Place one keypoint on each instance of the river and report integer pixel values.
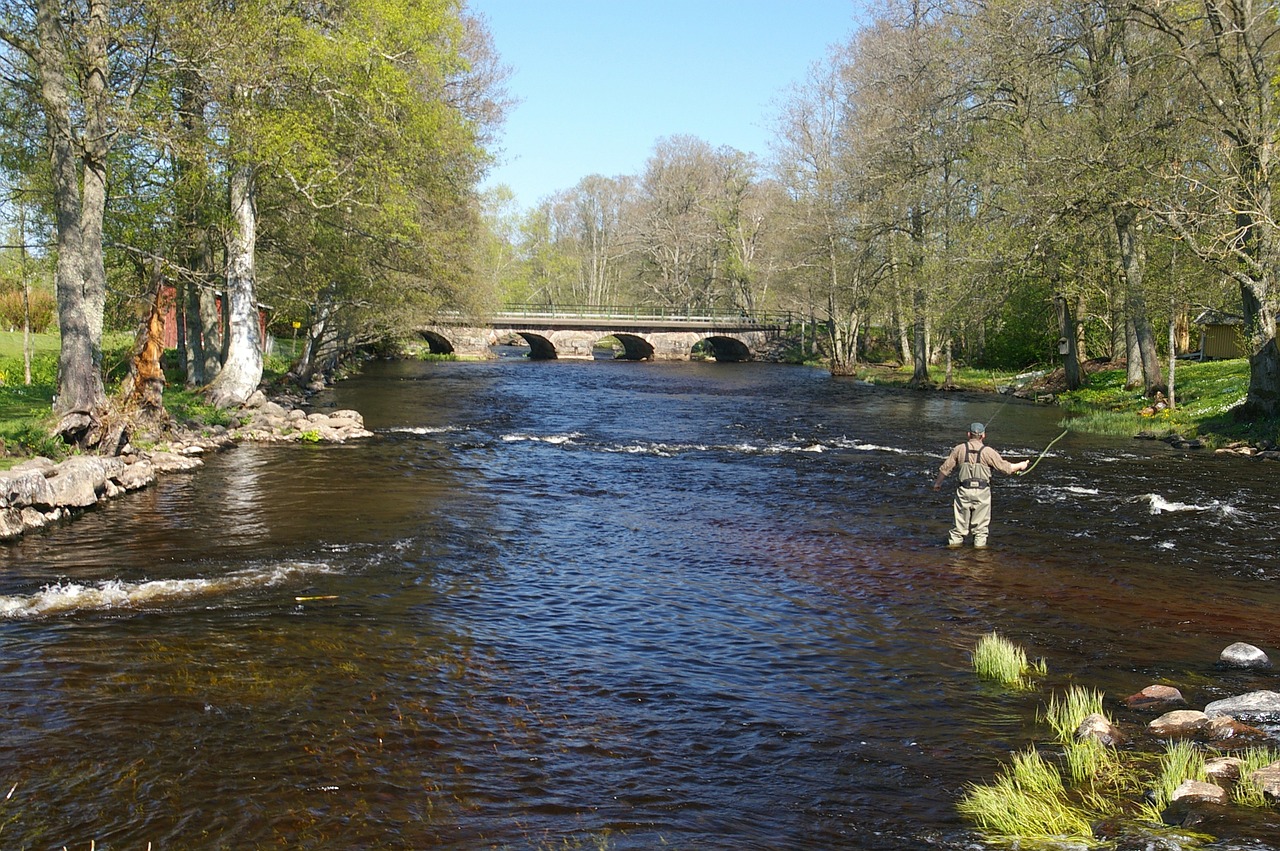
(605, 604)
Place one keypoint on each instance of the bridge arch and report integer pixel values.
(437, 343)
(726, 349)
(634, 346)
(540, 348)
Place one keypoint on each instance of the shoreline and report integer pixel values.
(39, 491)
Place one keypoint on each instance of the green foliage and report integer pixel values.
(1248, 792)
(1182, 760)
(1065, 716)
(1022, 332)
(1027, 800)
(310, 436)
(43, 310)
(189, 406)
(996, 658)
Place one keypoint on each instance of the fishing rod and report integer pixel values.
(1045, 452)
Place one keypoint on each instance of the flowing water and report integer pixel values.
(561, 604)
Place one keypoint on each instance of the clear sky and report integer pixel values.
(600, 81)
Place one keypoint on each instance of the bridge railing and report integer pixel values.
(641, 313)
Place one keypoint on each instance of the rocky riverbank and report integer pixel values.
(39, 491)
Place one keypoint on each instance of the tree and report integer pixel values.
(1225, 213)
(67, 55)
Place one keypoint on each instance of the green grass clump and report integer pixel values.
(1181, 761)
(1066, 715)
(1027, 801)
(997, 658)
(189, 405)
(1248, 793)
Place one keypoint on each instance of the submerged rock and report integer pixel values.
(1180, 722)
(1097, 727)
(1255, 706)
(1156, 697)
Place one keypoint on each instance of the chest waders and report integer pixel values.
(972, 506)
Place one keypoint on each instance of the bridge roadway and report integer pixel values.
(572, 331)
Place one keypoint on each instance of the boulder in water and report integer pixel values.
(1241, 655)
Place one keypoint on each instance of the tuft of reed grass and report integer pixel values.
(997, 658)
(1248, 792)
(1181, 761)
(1066, 715)
(1028, 801)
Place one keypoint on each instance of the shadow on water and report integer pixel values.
(696, 605)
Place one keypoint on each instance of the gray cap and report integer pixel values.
(977, 428)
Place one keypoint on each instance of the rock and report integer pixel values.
(1241, 655)
(22, 487)
(11, 523)
(1155, 697)
(136, 476)
(1254, 706)
(1200, 792)
(171, 462)
(1224, 727)
(1269, 780)
(1224, 768)
(347, 414)
(1180, 722)
(78, 482)
(41, 463)
(256, 400)
(1098, 728)
(1196, 803)
(271, 409)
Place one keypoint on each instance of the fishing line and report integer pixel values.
(1008, 397)
(1045, 452)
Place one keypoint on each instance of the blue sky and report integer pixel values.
(600, 81)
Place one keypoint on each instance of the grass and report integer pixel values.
(1181, 760)
(999, 659)
(1248, 793)
(1065, 716)
(1027, 800)
(962, 377)
(1206, 395)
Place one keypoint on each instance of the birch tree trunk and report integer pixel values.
(242, 369)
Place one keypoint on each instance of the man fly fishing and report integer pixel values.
(972, 504)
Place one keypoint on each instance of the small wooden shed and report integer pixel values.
(1221, 335)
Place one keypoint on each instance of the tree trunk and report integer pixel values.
(79, 273)
(1144, 343)
(1067, 340)
(1082, 314)
(242, 369)
(142, 392)
(1263, 397)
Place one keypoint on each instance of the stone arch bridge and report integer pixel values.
(644, 333)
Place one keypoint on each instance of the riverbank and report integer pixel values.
(38, 490)
(1201, 417)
